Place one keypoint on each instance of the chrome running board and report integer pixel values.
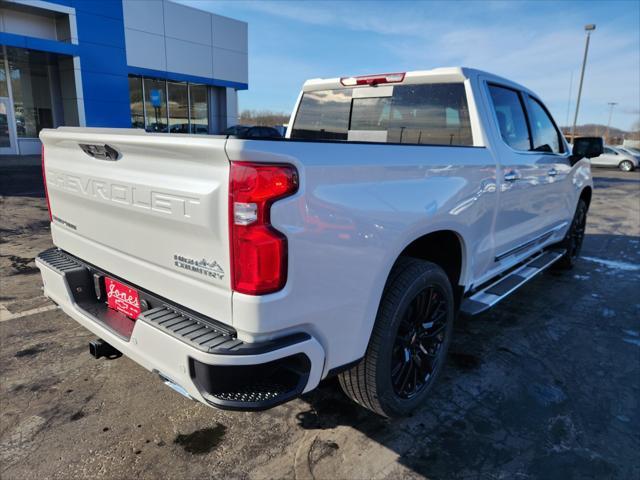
(504, 286)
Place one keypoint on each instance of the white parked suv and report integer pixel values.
(243, 272)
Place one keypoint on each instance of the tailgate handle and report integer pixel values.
(101, 152)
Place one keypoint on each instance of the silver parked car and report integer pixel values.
(616, 157)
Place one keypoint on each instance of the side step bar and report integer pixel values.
(491, 294)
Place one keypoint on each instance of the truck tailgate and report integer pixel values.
(157, 216)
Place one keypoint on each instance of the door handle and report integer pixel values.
(511, 176)
(552, 172)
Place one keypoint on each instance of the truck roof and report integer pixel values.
(441, 74)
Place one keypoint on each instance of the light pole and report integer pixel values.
(566, 122)
(588, 28)
(611, 105)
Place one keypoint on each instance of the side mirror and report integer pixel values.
(586, 147)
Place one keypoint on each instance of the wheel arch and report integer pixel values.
(445, 248)
(442, 247)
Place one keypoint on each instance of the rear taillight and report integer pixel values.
(44, 180)
(258, 251)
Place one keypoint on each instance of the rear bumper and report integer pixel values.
(195, 355)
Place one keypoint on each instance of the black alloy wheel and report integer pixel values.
(574, 238)
(409, 342)
(418, 350)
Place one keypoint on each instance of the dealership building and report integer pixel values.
(152, 64)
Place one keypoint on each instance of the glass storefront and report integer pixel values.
(199, 109)
(30, 86)
(178, 107)
(4, 89)
(29, 89)
(155, 104)
(175, 107)
(137, 108)
(5, 139)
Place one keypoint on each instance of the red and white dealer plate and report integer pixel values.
(122, 298)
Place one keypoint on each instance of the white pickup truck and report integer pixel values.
(243, 272)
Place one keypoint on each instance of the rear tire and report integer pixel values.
(409, 342)
(572, 242)
(626, 166)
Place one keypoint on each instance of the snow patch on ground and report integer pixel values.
(632, 341)
(615, 264)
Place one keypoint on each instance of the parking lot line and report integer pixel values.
(6, 315)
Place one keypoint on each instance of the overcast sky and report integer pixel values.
(539, 44)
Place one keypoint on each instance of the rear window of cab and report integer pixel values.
(426, 114)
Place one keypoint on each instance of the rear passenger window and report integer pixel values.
(511, 117)
(435, 114)
(546, 137)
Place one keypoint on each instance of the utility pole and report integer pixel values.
(587, 28)
(611, 105)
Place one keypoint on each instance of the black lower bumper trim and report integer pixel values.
(207, 338)
(251, 387)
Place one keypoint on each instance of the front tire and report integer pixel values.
(409, 342)
(572, 242)
(626, 166)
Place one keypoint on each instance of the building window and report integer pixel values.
(30, 84)
(174, 107)
(137, 105)
(155, 104)
(4, 90)
(178, 107)
(199, 118)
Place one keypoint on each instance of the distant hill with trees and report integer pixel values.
(614, 137)
(263, 118)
